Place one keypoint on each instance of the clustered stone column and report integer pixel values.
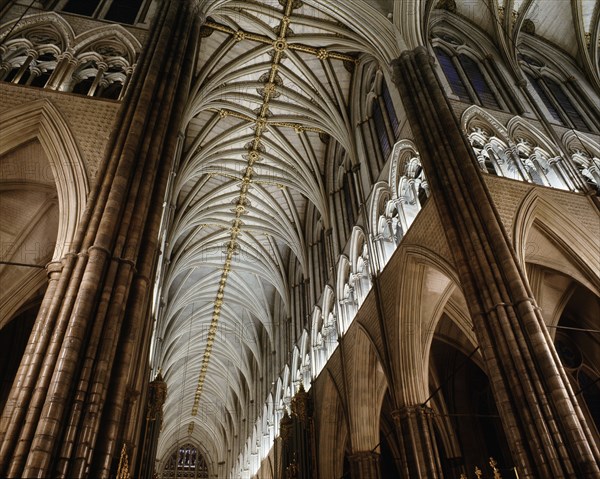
(157, 394)
(414, 428)
(544, 424)
(74, 400)
(364, 465)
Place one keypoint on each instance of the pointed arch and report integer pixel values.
(40, 119)
(550, 226)
(109, 36)
(424, 288)
(475, 116)
(47, 22)
(367, 384)
(519, 127)
(332, 432)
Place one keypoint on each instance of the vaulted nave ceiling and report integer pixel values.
(271, 90)
(273, 86)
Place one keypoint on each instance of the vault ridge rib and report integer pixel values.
(254, 154)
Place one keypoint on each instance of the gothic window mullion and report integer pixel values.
(88, 8)
(513, 155)
(128, 73)
(5, 68)
(558, 167)
(34, 72)
(563, 116)
(479, 82)
(453, 78)
(345, 214)
(103, 8)
(493, 160)
(376, 149)
(493, 85)
(386, 120)
(567, 104)
(372, 166)
(588, 109)
(65, 67)
(465, 79)
(123, 11)
(507, 95)
(381, 131)
(391, 111)
(544, 96)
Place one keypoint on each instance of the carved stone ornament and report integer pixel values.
(285, 426)
(449, 5)
(528, 26)
(300, 404)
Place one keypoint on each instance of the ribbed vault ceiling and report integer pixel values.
(272, 86)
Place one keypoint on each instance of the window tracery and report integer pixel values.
(122, 11)
(361, 274)
(186, 462)
(467, 76)
(347, 195)
(494, 155)
(45, 56)
(98, 78)
(29, 63)
(560, 98)
(522, 155)
(542, 168)
(383, 118)
(413, 191)
(346, 295)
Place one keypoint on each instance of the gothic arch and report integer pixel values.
(48, 22)
(519, 127)
(574, 140)
(345, 295)
(585, 154)
(332, 435)
(473, 38)
(360, 264)
(366, 386)
(41, 120)
(378, 202)
(167, 459)
(577, 253)
(552, 291)
(475, 116)
(114, 36)
(426, 283)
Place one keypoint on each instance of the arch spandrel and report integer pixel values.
(63, 169)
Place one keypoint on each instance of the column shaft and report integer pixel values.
(546, 430)
(420, 456)
(364, 465)
(73, 368)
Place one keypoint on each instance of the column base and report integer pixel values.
(364, 465)
(417, 440)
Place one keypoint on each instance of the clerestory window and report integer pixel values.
(385, 121)
(121, 11)
(468, 79)
(559, 104)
